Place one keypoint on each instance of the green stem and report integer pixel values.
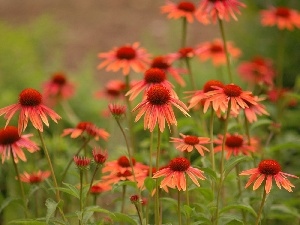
(20, 183)
(179, 207)
(70, 113)
(71, 160)
(139, 213)
(157, 205)
(225, 49)
(188, 204)
(261, 207)
(247, 129)
(192, 80)
(184, 32)
(123, 198)
(80, 195)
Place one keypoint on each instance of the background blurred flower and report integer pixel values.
(35, 177)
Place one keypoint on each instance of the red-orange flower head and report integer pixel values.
(184, 9)
(160, 62)
(30, 97)
(191, 140)
(179, 164)
(158, 95)
(269, 167)
(82, 162)
(234, 141)
(35, 177)
(117, 110)
(9, 135)
(134, 199)
(208, 86)
(186, 6)
(154, 75)
(186, 52)
(59, 79)
(123, 161)
(232, 90)
(126, 52)
(99, 155)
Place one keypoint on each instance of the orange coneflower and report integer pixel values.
(12, 142)
(267, 170)
(157, 108)
(31, 108)
(175, 173)
(35, 177)
(126, 57)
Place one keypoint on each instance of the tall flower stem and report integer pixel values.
(225, 49)
(80, 194)
(179, 207)
(192, 80)
(130, 118)
(247, 130)
(157, 204)
(220, 187)
(261, 207)
(280, 59)
(71, 160)
(20, 184)
(184, 32)
(123, 198)
(73, 118)
(58, 199)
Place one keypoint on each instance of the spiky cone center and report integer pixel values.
(84, 125)
(158, 95)
(126, 173)
(191, 140)
(96, 189)
(123, 161)
(160, 62)
(59, 79)
(155, 75)
(126, 52)
(186, 6)
(269, 167)
(208, 86)
(34, 179)
(216, 48)
(234, 141)
(179, 164)
(82, 162)
(30, 97)
(99, 157)
(113, 92)
(282, 12)
(232, 90)
(184, 52)
(9, 135)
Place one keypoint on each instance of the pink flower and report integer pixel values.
(175, 174)
(157, 108)
(222, 9)
(189, 142)
(35, 177)
(152, 76)
(257, 71)
(82, 162)
(183, 53)
(126, 57)
(99, 188)
(113, 90)
(215, 51)
(268, 170)
(282, 17)
(12, 143)
(253, 110)
(164, 63)
(235, 145)
(117, 110)
(86, 128)
(31, 108)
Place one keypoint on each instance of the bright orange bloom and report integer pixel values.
(58, 88)
(222, 9)
(215, 51)
(184, 9)
(151, 76)
(86, 128)
(126, 57)
(157, 108)
(282, 17)
(189, 142)
(165, 63)
(258, 70)
(235, 144)
(99, 188)
(230, 93)
(253, 110)
(267, 170)
(12, 142)
(175, 173)
(31, 108)
(35, 177)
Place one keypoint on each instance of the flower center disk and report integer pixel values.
(160, 62)
(59, 79)
(158, 95)
(208, 85)
(232, 90)
(191, 140)
(126, 53)
(123, 161)
(30, 97)
(179, 164)
(216, 48)
(155, 75)
(186, 6)
(9, 135)
(269, 167)
(282, 12)
(234, 141)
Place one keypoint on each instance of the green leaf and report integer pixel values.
(188, 210)
(210, 172)
(206, 193)
(287, 145)
(286, 210)
(235, 222)
(170, 200)
(259, 123)
(8, 201)
(231, 163)
(71, 189)
(27, 222)
(149, 184)
(99, 209)
(124, 218)
(238, 206)
(51, 207)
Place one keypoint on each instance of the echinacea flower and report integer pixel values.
(99, 188)
(31, 108)
(113, 90)
(99, 155)
(258, 70)
(157, 108)
(58, 87)
(12, 142)
(282, 17)
(175, 174)
(184, 9)
(117, 110)
(235, 144)
(82, 162)
(126, 57)
(252, 111)
(86, 128)
(222, 9)
(182, 53)
(151, 76)
(164, 63)
(189, 142)
(229, 94)
(268, 170)
(215, 51)
(35, 177)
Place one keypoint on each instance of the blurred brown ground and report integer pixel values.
(98, 25)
